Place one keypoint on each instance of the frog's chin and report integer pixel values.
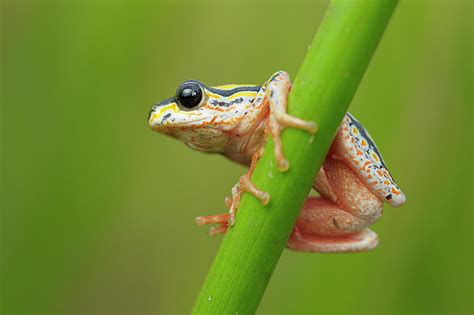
(194, 134)
(203, 139)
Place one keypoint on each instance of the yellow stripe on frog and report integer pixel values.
(233, 96)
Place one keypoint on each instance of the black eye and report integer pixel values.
(189, 94)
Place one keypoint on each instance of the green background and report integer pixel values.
(98, 210)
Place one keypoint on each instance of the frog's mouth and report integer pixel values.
(166, 123)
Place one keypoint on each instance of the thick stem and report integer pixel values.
(322, 92)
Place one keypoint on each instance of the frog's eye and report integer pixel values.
(189, 95)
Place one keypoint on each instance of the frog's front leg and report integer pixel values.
(277, 94)
(245, 184)
(273, 95)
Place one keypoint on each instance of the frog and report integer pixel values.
(236, 120)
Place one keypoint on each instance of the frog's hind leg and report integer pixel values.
(337, 221)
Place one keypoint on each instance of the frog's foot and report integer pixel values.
(277, 95)
(363, 241)
(245, 184)
(220, 219)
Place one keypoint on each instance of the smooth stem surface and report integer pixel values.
(322, 92)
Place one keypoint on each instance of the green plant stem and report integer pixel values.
(322, 92)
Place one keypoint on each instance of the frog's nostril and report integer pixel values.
(165, 118)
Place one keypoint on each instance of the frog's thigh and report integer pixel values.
(347, 190)
(324, 218)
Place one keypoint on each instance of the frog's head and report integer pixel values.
(201, 116)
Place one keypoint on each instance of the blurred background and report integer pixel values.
(98, 210)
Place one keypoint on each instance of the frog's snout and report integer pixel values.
(157, 118)
(151, 118)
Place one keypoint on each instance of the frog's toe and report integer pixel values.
(213, 231)
(212, 219)
(283, 165)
